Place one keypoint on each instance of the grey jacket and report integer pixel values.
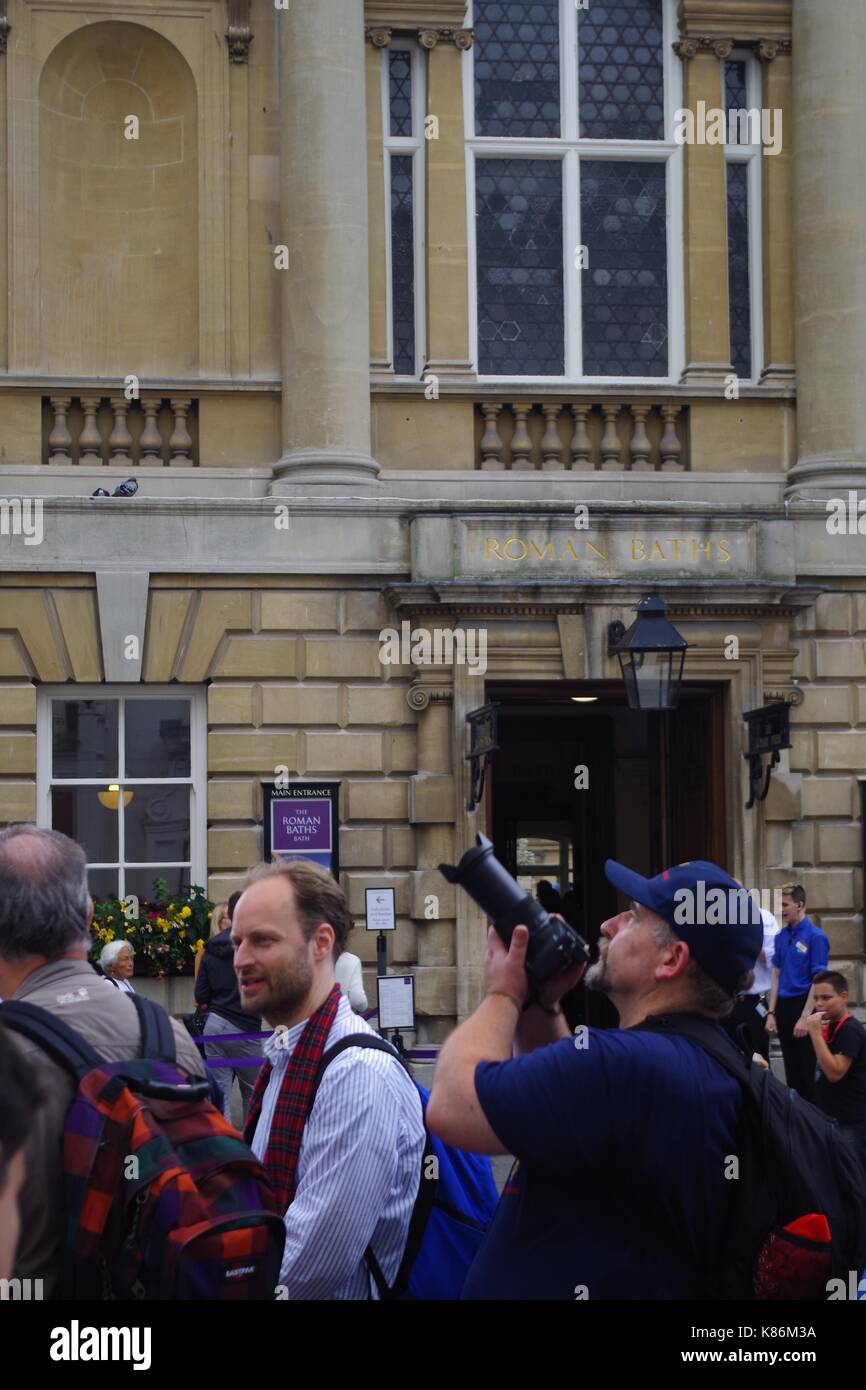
(71, 990)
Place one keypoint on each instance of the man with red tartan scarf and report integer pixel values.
(347, 1168)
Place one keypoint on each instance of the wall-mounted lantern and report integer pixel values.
(651, 655)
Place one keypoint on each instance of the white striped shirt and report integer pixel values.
(359, 1166)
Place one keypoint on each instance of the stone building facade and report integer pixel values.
(250, 259)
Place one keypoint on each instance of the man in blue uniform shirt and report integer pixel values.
(622, 1137)
(802, 950)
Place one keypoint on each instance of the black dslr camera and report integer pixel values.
(553, 944)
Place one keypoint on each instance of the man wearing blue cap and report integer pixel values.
(625, 1138)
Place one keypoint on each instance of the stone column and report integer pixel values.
(708, 341)
(448, 349)
(325, 328)
(4, 298)
(829, 103)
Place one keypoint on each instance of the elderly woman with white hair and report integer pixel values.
(118, 962)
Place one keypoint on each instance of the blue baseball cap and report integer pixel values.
(718, 919)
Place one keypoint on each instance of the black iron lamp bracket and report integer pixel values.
(769, 732)
(483, 743)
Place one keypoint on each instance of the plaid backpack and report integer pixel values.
(162, 1198)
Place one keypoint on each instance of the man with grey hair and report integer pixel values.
(45, 915)
(622, 1136)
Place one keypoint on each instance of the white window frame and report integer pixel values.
(197, 780)
(416, 146)
(753, 156)
(568, 149)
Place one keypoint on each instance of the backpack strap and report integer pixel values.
(63, 1044)
(707, 1034)
(157, 1034)
(370, 1040)
(423, 1202)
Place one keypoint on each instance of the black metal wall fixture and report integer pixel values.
(769, 733)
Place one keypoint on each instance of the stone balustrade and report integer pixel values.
(91, 431)
(611, 436)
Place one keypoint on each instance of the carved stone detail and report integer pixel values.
(378, 37)
(239, 35)
(768, 49)
(703, 43)
(5, 26)
(428, 38)
(420, 697)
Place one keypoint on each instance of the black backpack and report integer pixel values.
(794, 1163)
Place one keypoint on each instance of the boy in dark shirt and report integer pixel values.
(839, 1041)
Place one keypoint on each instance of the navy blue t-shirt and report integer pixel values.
(619, 1185)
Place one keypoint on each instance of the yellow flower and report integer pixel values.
(109, 936)
(199, 945)
(182, 935)
(186, 912)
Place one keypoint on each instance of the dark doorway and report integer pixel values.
(580, 778)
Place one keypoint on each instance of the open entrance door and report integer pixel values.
(580, 778)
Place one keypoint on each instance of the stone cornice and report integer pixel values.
(743, 20)
(239, 35)
(415, 14)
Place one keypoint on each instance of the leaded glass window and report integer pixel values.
(575, 270)
(403, 123)
(739, 293)
(400, 91)
(403, 264)
(520, 267)
(516, 54)
(621, 70)
(743, 155)
(736, 98)
(625, 296)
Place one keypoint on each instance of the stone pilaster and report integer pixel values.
(708, 346)
(325, 287)
(829, 103)
(448, 350)
(431, 809)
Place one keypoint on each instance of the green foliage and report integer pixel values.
(165, 934)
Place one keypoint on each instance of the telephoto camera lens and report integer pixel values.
(554, 945)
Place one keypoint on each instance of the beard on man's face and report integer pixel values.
(282, 988)
(596, 977)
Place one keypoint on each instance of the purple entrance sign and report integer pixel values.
(301, 826)
(301, 822)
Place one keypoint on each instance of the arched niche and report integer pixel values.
(118, 215)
